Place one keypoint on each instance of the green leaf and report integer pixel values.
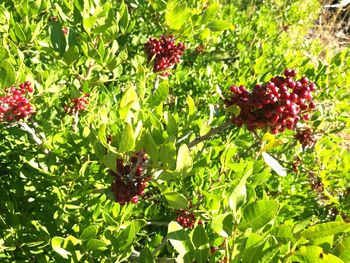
(200, 241)
(171, 124)
(342, 249)
(58, 40)
(56, 243)
(199, 237)
(177, 14)
(184, 161)
(238, 196)
(258, 214)
(88, 233)
(167, 153)
(88, 23)
(177, 201)
(145, 256)
(235, 109)
(269, 255)
(7, 74)
(314, 254)
(125, 18)
(274, 164)
(219, 25)
(326, 229)
(151, 147)
(19, 32)
(128, 101)
(127, 141)
(180, 240)
(223, 224)
(109, 160)
(253, 248)
(102, 135)
(127, 236)
(210, 13)
(191, 107)
(95, 244)
(71, 55)
(272, 144)
(160, 95)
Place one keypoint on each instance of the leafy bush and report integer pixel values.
(129, 150)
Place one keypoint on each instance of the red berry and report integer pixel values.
(287, 72)
(306, 117)
(304, 80)
(135, 199)
(213, 249)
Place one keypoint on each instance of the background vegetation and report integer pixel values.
(55, 198)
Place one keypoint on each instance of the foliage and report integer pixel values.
(251, 196)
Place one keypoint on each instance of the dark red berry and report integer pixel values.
(276, 105)
(164, 53)
(129, 180)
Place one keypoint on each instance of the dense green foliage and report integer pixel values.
(55, 199)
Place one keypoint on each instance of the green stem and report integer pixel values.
(211, 133)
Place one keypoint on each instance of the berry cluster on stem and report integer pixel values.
(130, 179)
(185, 218)
(77, 104)
(164, 53)
(276, 105)
(305, 137)
(15, 105)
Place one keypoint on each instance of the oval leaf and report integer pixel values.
(7, 74)
(184, 161)
(88, 233)
(127, 142)
(274, 164)
(56, 243)
(219, 25)
(223, 224)
(258, 214)
(326, 229)
(177, 201)
(179, 238)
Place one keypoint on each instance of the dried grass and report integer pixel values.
(333, 26)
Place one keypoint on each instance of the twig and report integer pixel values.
(24, 126)
(157, 249)
(211, 133)
(156, 84)
(154, 223)
(75, 121)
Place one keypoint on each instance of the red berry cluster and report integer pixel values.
(15, 106)
(130, 179)
(164, 52)
(77, 104)
(185, 219)
(277, 105)
(296, 164)
(305, 137)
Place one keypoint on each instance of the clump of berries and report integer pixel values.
(130, 179)
(296, 164)
(164, 52)
(305, 137)
(185, 219)
(276, 105)
(77, 104)
(15, 105)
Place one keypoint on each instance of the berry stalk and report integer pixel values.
(210, 134)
